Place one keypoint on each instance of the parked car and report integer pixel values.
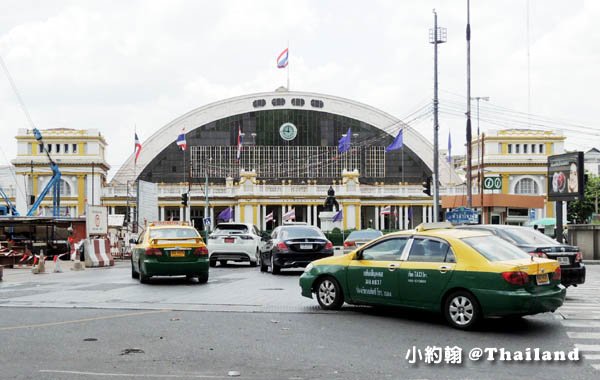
(168, 249)
(293, 246)
(239, 242)
(537, 244)
(359, 238)
(467, 275)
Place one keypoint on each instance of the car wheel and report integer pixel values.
(134, 274)
(329, 294)
(223, 262)
(275, 269)
(263, 266)
(143, 277)
(203, 278)
(462, 310)
(212, 263)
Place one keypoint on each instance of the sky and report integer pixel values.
(119, 65)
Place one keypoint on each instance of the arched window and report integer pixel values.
(65, 188)
(526, 186)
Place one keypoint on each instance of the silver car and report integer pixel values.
(360, 237)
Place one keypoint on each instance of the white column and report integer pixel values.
(315, 215)
(180, 213)
(309, 211)
(112, 210)
(283, 211)
(406, 224)
(162, 213)
(211, 212)
(430, 211)
(376, 218)
(424, 214)
(381, 221)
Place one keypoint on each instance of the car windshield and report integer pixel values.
(364, 235)
(231, 229)
(166, 233)
(494, 248)
(301, 232)
(528, 236)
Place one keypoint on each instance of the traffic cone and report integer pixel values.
(57, 268)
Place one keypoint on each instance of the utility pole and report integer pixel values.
(481, 178)
(480, 150)
(469, 153)
(436, 36)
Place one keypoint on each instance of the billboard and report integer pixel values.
(565, 177)
(147, 203)
(96, 220)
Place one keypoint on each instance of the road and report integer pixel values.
(100, 323)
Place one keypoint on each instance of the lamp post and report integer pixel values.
(480, 151)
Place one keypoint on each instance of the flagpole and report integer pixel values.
(288, 66)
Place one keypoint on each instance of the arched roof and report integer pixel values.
(198, 117)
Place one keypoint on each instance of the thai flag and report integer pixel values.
(290, 215)
(138, 147)
(269, 217)
(387, 210)
(181, 140)
(282, 60)
(239, 144)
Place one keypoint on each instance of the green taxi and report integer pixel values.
(170, 249)
(466, 275)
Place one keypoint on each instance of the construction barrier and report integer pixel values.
(97, 253)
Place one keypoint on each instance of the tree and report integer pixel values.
(581, 211)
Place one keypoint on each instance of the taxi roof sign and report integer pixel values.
(433, 226)
(169, 223)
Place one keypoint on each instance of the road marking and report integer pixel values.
(596, 366)
(105, 374)
(580, 323)
(583, 335)
(82, 320)
(591, 357)
(588, 347)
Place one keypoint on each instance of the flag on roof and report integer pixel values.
(397, 143)
(387, 210)
(282, 60)
(181, 140)
(344, 142)
(338, 217)
(290, 215)
(239, 144)
(137, 148)
(269, 217)
(449, 158)
(226, 214)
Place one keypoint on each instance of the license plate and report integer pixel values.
(563, 260)
(177, 254)
(229, 240)
(542, 279)
(305, 246)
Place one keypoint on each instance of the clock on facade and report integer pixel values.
(288, 131)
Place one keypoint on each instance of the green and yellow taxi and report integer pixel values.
(169, 249)
(466, 275)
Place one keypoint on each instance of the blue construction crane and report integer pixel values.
(9, 209)
(53, 184)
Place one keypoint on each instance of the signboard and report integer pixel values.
(147, 202)
(492, 183)
(207, 222)
(565, 177)
(532, 214)
(96, 220)
(462, 215)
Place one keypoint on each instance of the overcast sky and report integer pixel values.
(111, 65)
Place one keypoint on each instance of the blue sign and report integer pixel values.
(206, 221)
(462, 215)
(532, 214)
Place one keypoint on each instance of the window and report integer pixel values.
(532, 148)
(74, 148)
(316, 103)
(298, 102)
(429, 250)
(509, 148)
(49, 148)
(387, 250)
(525, 146)
(526, 186)
(66, 148)
(57, 148)
(517, 148)
(157, 233)
(277, 102)
(259, 103)
(541, 148)
(494, 248)
(41, 148)
(65, 188)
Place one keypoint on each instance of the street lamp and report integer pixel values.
(479, 142)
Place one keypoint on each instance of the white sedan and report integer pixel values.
(239, 242)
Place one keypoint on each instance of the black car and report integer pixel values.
(537, 244)
(294, 246)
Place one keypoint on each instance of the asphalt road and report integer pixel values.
(100, 323)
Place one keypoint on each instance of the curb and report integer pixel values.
(591, 262)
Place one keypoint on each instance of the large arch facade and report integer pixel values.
(321, 120)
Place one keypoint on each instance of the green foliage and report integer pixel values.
(580, 212)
